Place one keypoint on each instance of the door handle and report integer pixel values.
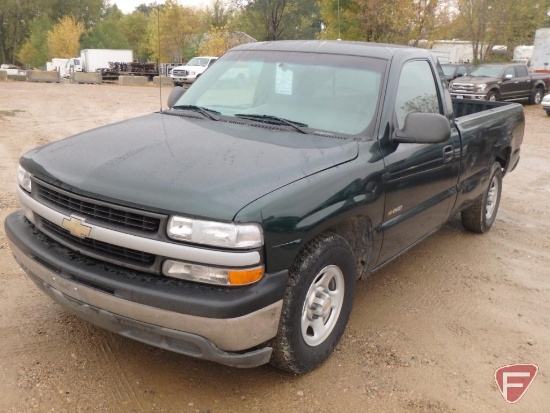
(448, 153)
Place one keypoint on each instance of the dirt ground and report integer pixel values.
(426, 334)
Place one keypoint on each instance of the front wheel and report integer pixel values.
(480, 216)
(536, 96)
(548, 112)
(492, 96)
(317, 304)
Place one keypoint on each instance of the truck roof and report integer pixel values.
(349, 48)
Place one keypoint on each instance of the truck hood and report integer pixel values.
(174, 164)
(187, 67)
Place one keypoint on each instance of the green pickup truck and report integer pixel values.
(234, 226)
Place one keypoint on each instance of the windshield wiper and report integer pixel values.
(274, 120)
(209, 113)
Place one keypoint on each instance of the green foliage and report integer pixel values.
(15, 16)
(383, 21)
(24, 23)
(280, 19)
(175, 30)
(63, 38)
(487, 23)
(105, 35)
(134, 27)
(86, 11)
(34, 51)
(217, 41)
(218, 14)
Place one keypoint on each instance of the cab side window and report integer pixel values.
(510, 71)
(522, 71)
(416, 91)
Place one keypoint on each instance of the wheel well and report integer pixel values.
(503, 158)
(357, 231)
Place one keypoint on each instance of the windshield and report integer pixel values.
(198, 61)
(324, 92)
(487, 71)
(448, 70)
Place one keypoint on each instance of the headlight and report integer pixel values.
(212, 275)
(191, 73)
(24, 178)
(216, 234)
(481, 87)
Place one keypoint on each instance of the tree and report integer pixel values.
(34, 51)
(217, 41)
(504, 22)
(15, 16)
(178, 27)
(86, 11)
(278, 19)
(105, 35)
(108, 33)
(219, 14)
(63, 39)
(383, 21)
(138, 39)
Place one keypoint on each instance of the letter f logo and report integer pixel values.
(514, 380)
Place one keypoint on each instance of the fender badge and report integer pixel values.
(76, 227)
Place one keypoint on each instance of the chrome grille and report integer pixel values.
(462, 88)
(179, 72)
(99, 211)
(100, 247)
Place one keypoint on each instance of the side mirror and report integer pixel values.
(174, 95)
(459, 75)
(424, 128)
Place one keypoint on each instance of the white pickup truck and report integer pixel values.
(192, 70)
(12, 70)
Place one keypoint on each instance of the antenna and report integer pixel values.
(158, 59)
(339, 37)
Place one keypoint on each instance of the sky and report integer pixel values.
(128, 6)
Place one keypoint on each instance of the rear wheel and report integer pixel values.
(317, 304)
(536, 96)
(480, 216)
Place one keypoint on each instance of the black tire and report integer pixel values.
(317, 304)
(548, 112)
(536, 96)
(492, 96)
(480, 216)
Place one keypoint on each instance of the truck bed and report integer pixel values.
(482, 125)
(463, 107)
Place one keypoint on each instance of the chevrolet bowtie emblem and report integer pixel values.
(76, 227)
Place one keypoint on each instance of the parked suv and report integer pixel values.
(192, 70)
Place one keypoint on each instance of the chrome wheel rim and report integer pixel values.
(492, 195)
(322, 305)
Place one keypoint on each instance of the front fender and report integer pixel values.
(293, 215)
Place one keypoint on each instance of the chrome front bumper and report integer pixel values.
(195, 336)
(228, 326)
